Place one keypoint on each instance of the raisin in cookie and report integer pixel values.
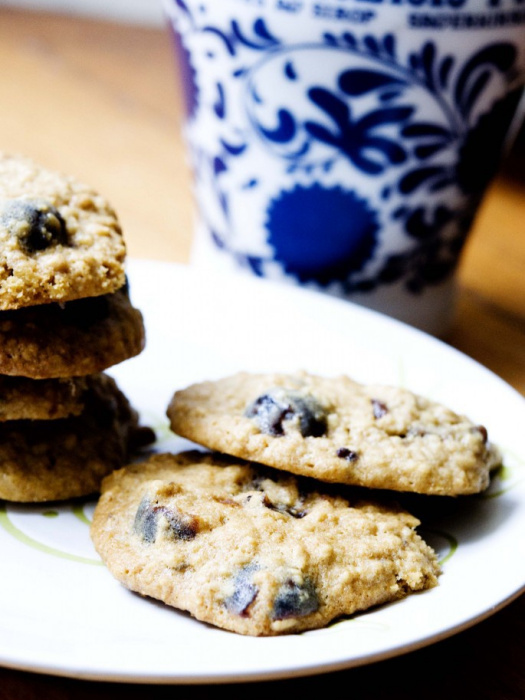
(77, 338)
(42, 460)
(337, 430)
(59, 240)
(254, 550)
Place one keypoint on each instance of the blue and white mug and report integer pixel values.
(345, 145)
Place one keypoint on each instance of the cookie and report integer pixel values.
(59, 239)
(77, 338)
(45, 399)
(337, 430)
(42, 460)
(254, 550)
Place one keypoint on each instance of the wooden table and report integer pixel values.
(100, 101)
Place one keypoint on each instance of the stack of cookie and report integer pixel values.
(65, 317)
(266, 534)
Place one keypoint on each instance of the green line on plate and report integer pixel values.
(503, 473)
(452, 543)
(30, 542)
(78, 512)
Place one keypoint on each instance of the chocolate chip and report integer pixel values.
(245, 591)
(349, 455)
(294, 600)
(282, 508)
(380, 409)
(37, 225)
(271, 410)
(145, 523)
(484, 433)
(269, 414)
(180, 525)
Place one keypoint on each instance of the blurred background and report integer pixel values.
(147, 12)
(89, 87)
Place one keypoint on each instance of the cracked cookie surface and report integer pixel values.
(59, 239)
(254, 550)
(337, 430)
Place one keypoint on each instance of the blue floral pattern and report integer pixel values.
(417, 171)
(320, 233)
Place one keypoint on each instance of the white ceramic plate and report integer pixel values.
(61, 612)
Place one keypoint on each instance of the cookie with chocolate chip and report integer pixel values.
(77, 338)
(254, 550)
(48, 460)
(59, 239)
(338, 430)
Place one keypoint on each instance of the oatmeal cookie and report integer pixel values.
(59, 239)
(42, 460)
(337, 430)
(77, 338)
(43, 399)
(254, 550)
